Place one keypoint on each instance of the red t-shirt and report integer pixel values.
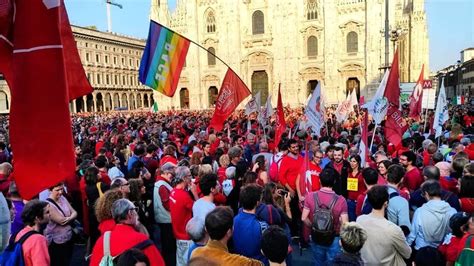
(449, 183)
(315, 171)
(325, 197)
(467, 204)
(360, 203)
(413, 179)
(450, 251)
(221, 174)
(181, 212)
(360, 186)
(104, 177)
(289, 170)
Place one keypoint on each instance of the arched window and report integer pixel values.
(352, 42)
(211, 22)
(211, 59)
(312, 46)
(258, 23)
(311, 10)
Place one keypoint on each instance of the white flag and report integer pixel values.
(354, 100)
(441, 114)
(378, 106)
(315, 110)
(344, 108)
(254, 104)
(266, 112)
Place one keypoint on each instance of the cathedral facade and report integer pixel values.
(295, 44)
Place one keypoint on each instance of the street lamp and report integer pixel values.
(395, 35)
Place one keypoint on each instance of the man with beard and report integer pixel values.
(35, 216)
(289, 170)
(341, 168)
(413, 178)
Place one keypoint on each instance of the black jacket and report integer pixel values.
(340, 185)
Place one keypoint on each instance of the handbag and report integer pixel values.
(76, 227)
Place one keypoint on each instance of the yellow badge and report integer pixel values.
(352, 184)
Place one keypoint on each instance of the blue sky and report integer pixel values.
(450, 23)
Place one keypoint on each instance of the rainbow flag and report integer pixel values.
(163, 59)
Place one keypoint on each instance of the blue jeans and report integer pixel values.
(351, 210)
(322, 254)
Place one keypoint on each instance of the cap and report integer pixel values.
(458, 219)
(168, 167)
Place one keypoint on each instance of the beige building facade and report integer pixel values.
(295, 43)
(111, 63)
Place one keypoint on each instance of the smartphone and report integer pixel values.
(283, 192)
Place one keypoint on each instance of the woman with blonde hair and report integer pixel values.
(103, 210)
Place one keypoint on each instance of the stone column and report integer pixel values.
(74, 107)
(94, 100)
(84, 104)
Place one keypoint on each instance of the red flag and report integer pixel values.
(394, 125)
(280, 126)
(233, 91)
(363, 145)
(40, 84)
(417, 97)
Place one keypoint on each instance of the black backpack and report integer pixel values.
(322, 229)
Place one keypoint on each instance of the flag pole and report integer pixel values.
(191, 41)
(373, 137)
(426, 112)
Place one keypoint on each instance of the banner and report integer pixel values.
(395, 126)
(266, 112)
(416, 98)
(163, 59)
(43, 71)
(378, 106)
(232, 92)
(314, 111)
(344, 108)
(254, 104)
(441, 113)
(280, 126)
(363, 145)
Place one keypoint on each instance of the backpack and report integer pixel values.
(367, 207)
(108, 259)
(322, 229)
(467, 254)
(13, 254)
(273, 170)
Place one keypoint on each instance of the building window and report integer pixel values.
(106, 59)
(107, 79)
(115, 60)
(352, 42)
(211, 22)
(131, 80)
(98, 78)
(123, 61)
(312, 46)
(258, 23)
(311, 12)
(86, 44)
(97, 58)
(211, 59)
(123, 79)
(130, 61)
(89, 77)
(87, 57)
(116, 80)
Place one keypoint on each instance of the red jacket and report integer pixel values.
(123, 238)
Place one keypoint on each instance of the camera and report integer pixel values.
(283, 192)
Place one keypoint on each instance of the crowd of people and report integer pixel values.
(165, 189)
